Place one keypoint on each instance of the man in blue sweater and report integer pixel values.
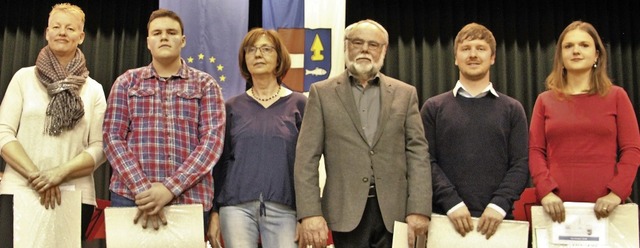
(477, 140)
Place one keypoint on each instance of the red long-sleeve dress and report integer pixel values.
(583, 147)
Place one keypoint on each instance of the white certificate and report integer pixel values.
(621, 228)
(185, 228)
(35, 226)
(510, 234)
(581, 227)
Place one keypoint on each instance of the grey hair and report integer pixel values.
(349, 29)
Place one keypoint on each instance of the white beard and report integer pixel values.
(364, 71)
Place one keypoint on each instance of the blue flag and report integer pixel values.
(282, 14)
(214, 30)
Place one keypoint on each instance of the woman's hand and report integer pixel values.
(552, 204)
(46, 179)
(213, 232)
(606, 204)
(50, 196)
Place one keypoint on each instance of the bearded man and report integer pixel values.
(368, 128)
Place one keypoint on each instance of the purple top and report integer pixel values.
(259, 151)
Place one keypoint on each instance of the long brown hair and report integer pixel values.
(600, 82)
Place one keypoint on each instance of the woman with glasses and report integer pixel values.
(254, 195)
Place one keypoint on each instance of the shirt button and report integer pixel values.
(365, 179)
(372, 152)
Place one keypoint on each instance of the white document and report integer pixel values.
(400, 235)
(510, 234)
(542, 234)
(581, 227)
(185, 228)
(35, 226)
(621, 227)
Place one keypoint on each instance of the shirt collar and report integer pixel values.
(354, 81)
(459, 88)
(150, 72)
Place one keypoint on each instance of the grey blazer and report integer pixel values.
(398, 159)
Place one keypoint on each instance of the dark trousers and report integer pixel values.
(371, 231)
(6, 220)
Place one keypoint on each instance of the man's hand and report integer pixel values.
(299, 238)
(51, 196)
(606, 204)
(154, 199)
(461, 219)
(314, 231)
(417, 225)
(489, 222)
(144, 218)
(213, 232)
(552, 204)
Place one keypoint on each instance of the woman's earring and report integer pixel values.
(595, 65)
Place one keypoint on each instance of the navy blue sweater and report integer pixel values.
(479, 151)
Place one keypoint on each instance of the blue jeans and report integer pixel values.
(241, 225)
(121, 201)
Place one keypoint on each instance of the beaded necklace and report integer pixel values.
(265, 99)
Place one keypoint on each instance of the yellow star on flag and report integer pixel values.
(223, 78)
(201, 56)
(212, 59)
(220, 67)
(190, 59)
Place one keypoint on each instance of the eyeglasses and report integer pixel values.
(359, 43)
(263, 49)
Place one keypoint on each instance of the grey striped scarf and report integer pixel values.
(63, 86)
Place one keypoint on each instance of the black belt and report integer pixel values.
(372, 190)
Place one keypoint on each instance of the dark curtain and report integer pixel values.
(421, 37)
(115, 40)
(420, 50)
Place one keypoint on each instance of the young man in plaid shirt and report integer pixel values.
(163, 129)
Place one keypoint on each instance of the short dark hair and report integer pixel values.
(165, 13)
(284, 61)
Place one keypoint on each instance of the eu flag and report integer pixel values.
(214, 30)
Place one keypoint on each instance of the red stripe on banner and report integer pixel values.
(293, 39)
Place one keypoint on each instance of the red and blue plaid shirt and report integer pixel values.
(164, 130)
